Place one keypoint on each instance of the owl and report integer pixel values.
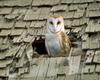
(57, 41)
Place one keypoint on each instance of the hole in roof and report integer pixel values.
(38, 46)
(0, 30)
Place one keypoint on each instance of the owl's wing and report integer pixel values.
(66, 42)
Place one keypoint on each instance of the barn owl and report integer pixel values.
(57, 41)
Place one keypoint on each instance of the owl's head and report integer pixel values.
(55, 24)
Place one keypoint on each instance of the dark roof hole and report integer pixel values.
(38, 45)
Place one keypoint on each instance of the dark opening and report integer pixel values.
(39, 46)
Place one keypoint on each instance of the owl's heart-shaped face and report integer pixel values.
(55, 25)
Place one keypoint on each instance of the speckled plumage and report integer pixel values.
(57, 42)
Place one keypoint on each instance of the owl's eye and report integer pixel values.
(58, 22)
(51, 22)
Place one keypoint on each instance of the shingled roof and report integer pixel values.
(23, 20)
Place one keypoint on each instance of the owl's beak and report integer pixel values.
(55, 28)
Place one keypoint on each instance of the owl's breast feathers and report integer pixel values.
(58, 45)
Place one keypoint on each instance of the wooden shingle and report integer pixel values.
(6, 25)
(89, 56)
(74, 64)
(4, 63)
(66, 1)
(32, 14)
(5, 32)
(97, 57)
(59, 8)
(91, 14)
(45, 2)
(88, 69)
(17, 3)
(16, 32)
(5, 10)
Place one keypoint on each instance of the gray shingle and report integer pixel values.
(13, 51)
(11, 16)
(23, 70)
(77, 30)
(67, 23)
(20, 52)
(69, 15)
(76, 1)
(4, 63)
(90, 76)
(28, 39)
(17, 39)
(4, 72)
(5, 10)
(5, 32)
(16, 32)
(3, 55)
(89, 56)
(67, 1)
(93, 6)
(93, 27)
(93, 14)
(63, 14)
(32, 14)
(91, 43)
(4, 47)
(86, 1)
(6, 25)
(74, 65)
(21, 24)
(84, 37)
(16, 14)
(97, 57)
(73, 7)
(44, 13)
(45, 2)
(17, 3)
(88, 69)
(59, 8)
(77, 7)
(78, 14)
(98, 68)
(37, 24)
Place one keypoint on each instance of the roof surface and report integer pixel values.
(23, 20)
